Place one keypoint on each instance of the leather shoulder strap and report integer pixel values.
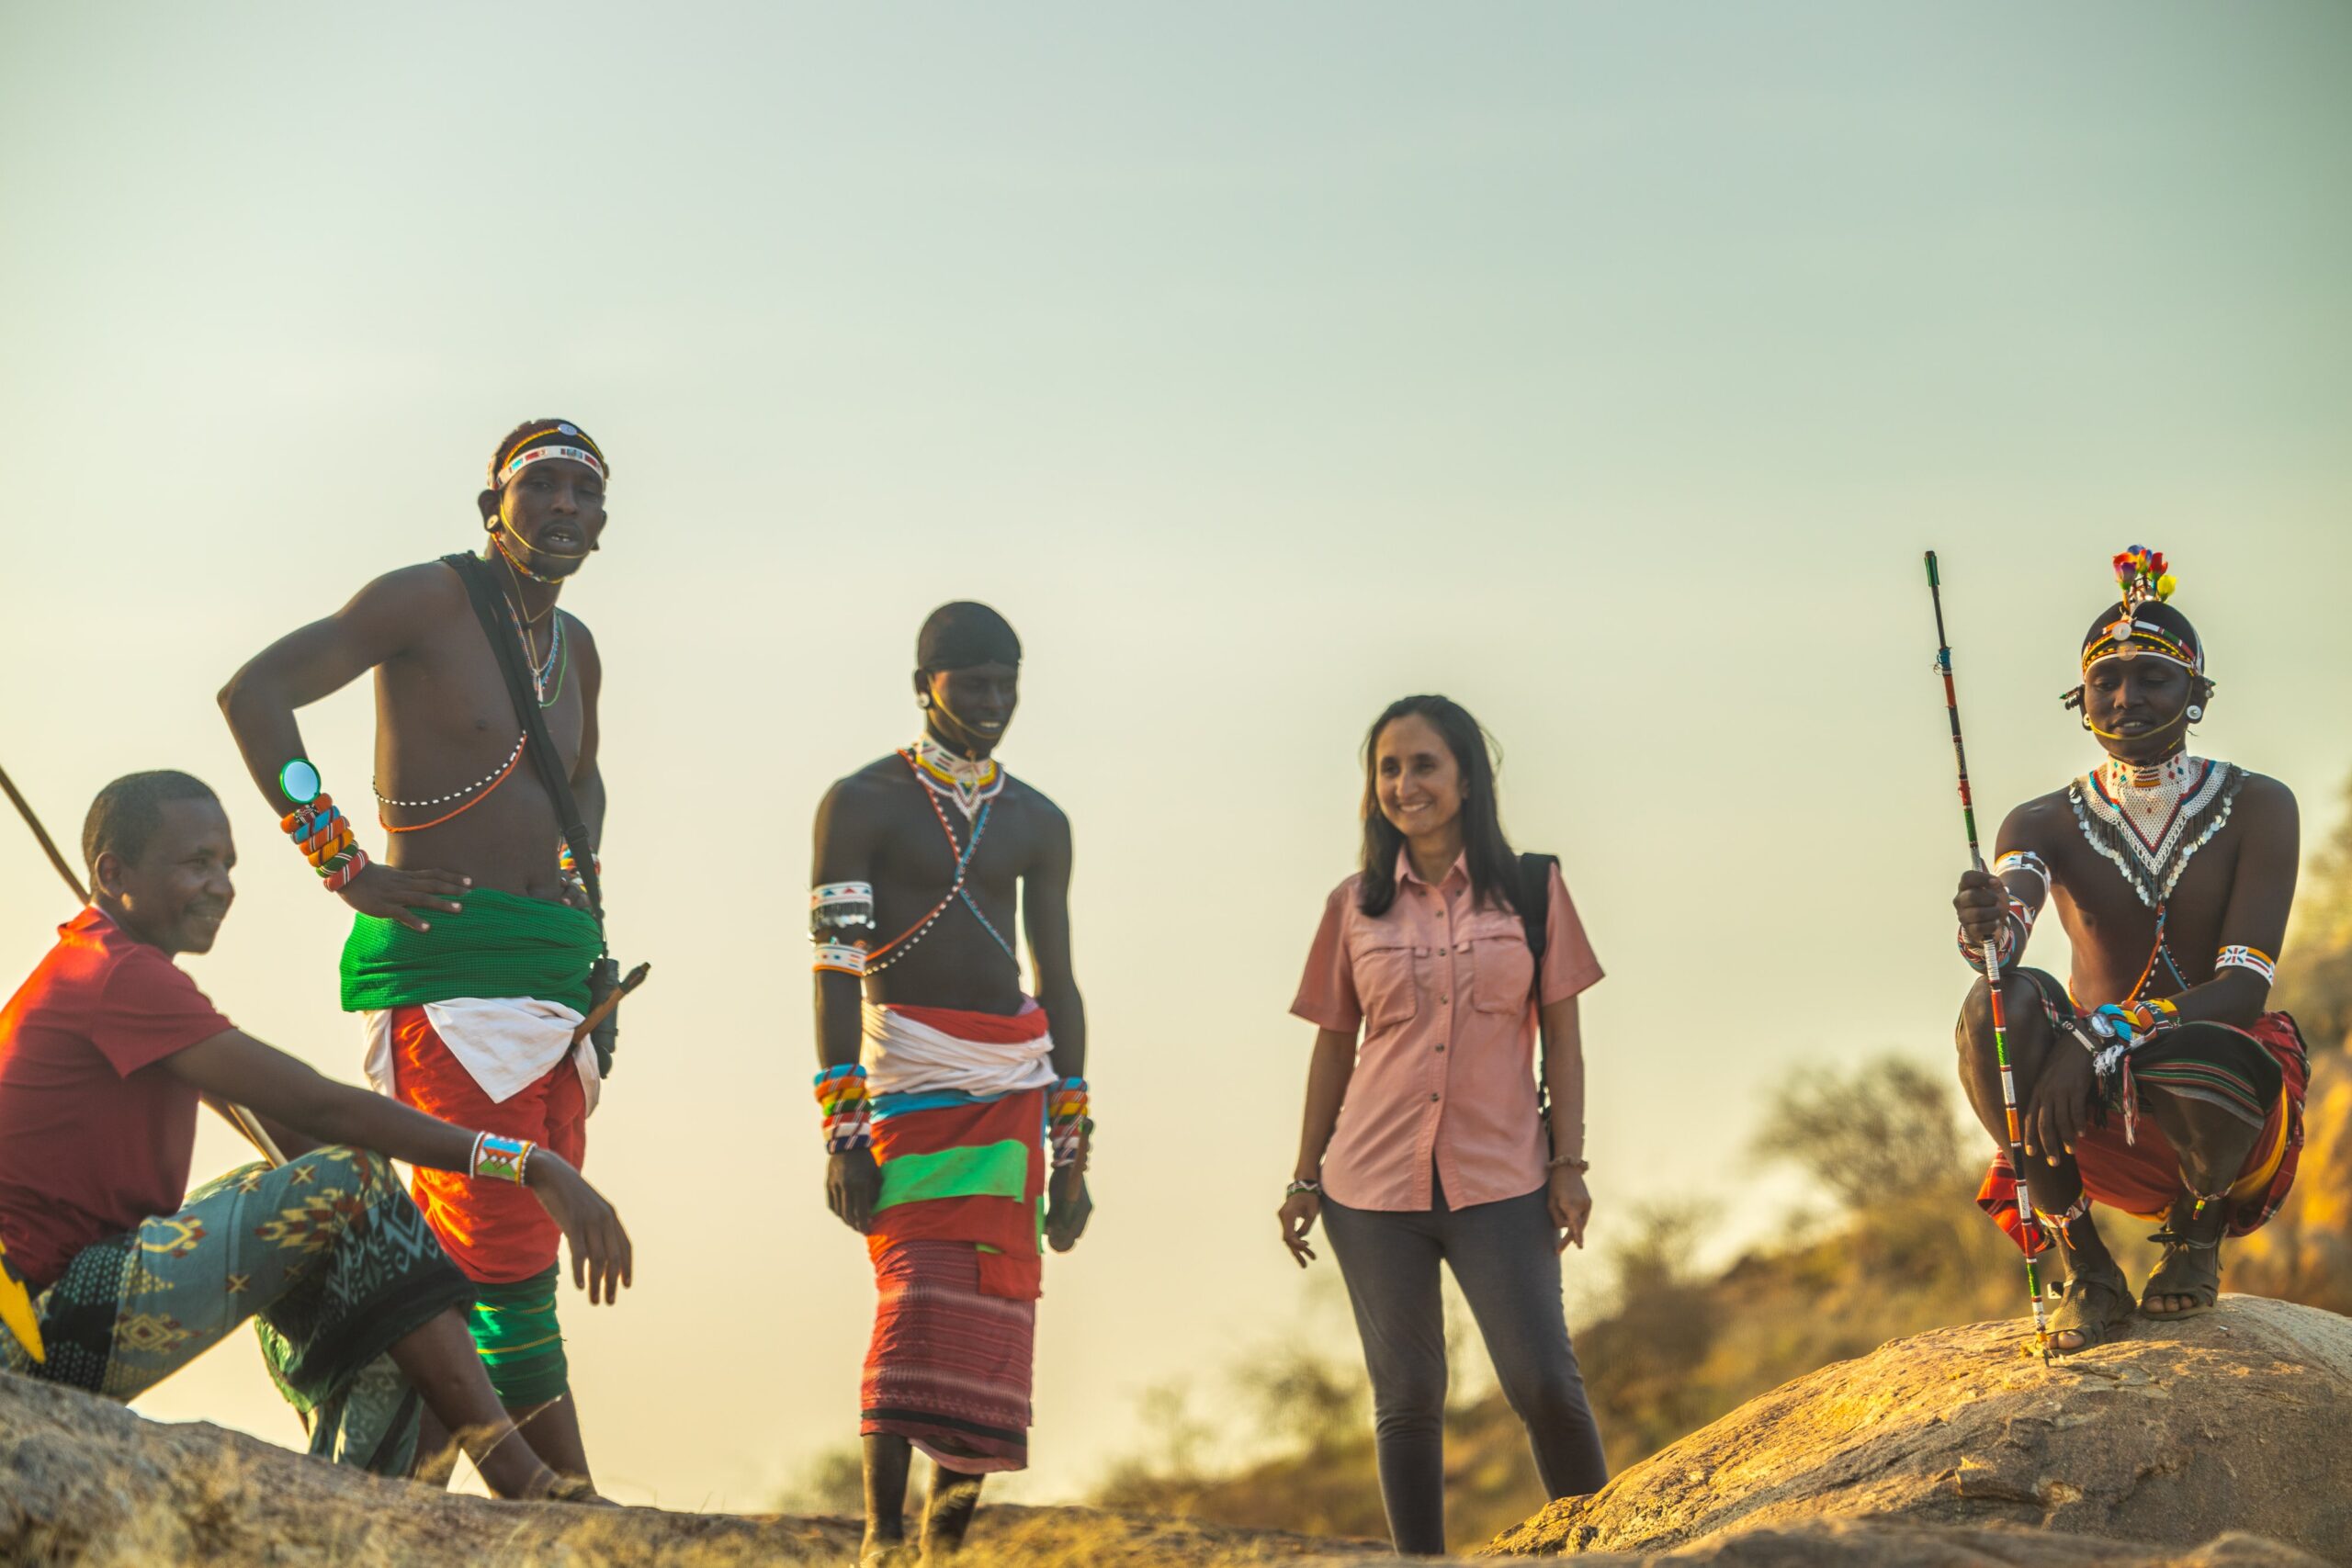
(489, 611)
(1535, 901)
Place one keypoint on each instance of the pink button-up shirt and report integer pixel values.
(1444, 993)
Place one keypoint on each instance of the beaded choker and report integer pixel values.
(968, 783)
(2150, 820)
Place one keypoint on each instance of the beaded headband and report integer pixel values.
(530, 455)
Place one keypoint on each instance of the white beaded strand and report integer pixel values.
(383, 799)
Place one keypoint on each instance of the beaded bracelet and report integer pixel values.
(497, 1158)
(1070, 1129)
(848, 1106)
(2017, 925)
(323, 835)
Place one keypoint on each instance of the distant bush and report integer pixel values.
(2316, 970)
(1886, 1130)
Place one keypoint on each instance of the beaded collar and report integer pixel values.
(968, 783)
(2149, 820)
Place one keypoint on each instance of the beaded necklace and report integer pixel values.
(485, 786)
(542, 670)
(968, 783)
(898, 947)
(2149, 820)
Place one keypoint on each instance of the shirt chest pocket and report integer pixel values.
(1389, 981)
(1503, 971)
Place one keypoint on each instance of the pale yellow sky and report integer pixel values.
(1604, 367)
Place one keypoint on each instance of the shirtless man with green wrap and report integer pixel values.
(469, 959)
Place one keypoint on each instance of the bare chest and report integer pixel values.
(444, 716)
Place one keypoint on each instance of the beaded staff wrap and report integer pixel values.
(2243, 957)
(848, 1106)
(323, 835)
(497, 1158)
(840, 923)
(1069, 1128)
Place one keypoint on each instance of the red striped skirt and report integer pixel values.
(949, 1368)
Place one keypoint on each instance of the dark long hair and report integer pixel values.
(1494, 869)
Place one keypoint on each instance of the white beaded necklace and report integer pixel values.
(971, 784)
(2149, 819)
(492, 777)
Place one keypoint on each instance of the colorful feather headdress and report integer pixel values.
(2144, 622)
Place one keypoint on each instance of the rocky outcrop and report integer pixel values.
(1954, 1444)
(2240, 1421)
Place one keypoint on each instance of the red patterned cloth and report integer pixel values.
(496, 1232)
(949, 1367)
(2142, 1177)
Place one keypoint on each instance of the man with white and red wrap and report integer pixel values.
(950, 1110)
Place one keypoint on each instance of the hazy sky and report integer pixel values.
(1603, 367)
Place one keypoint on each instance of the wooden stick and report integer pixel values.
(603, 1010)
(244, 1121)
(48, 845)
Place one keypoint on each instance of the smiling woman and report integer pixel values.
(1426, 1143)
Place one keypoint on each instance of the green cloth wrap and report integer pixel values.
(515, 1328)
(498, 945)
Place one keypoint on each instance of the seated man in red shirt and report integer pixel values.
(104, 1053)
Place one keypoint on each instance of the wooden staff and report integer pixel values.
(244, 1121)
(2029, 1222)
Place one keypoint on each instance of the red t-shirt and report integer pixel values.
(96, 1135)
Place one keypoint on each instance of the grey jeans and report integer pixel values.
(1505, 1258)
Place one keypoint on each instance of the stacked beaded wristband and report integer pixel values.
(318, 829)
(1069, 1127)
(848, 1106)
(501, 1159)
(2016, 921)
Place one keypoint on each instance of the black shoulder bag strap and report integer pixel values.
(489, 609)
(1535, 914)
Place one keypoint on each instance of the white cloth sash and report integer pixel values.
(505, 1044)
(903, 1056)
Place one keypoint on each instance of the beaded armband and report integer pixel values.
(2243, 957)
(848, 1106)
(841, 923)
(1069, 1128)
(497, 1158)
(321, 831)
(2025, 860)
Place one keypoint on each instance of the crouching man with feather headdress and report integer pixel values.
(2155, 1082)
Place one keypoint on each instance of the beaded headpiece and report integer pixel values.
(2142, 623)
(536, 441)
